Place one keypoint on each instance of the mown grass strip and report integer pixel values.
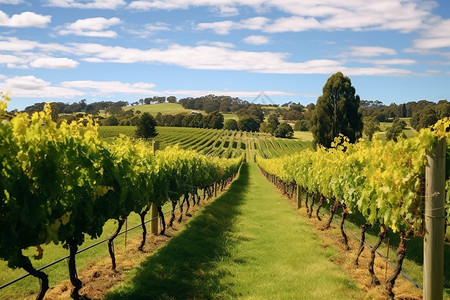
(250, 244)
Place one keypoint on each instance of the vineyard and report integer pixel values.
(61, 184)
(64, 184)
(387, 191)
(214, 142)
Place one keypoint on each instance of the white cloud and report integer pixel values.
(216, 44)
(436, 36)
(256, 40)
(92, 27)
(294, 24)
(370, 51)
(31, 86)
(224, 27)
(150, 29)
(109, 87)
(205, 57)
(54, 63)
(25, 19)
(13, 44)
(11, 1)
(399, 15)
(394, 61)
(24, 53)
(88, 4)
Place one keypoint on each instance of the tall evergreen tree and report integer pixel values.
(146, 127)
(336, 112)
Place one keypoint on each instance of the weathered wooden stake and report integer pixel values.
(154, 210)
(433, 247)
(299, 196)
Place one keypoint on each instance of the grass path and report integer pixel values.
(249, 244)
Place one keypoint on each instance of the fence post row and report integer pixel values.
(433, 246)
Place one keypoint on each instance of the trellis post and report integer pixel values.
(433, 256)
(153, 210)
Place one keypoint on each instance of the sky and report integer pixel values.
(393, 51)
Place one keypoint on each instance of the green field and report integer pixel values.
(214, 142)
(164, 108)
(171, 109)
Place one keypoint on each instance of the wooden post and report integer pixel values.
(299, 196)
(153, 210)
(433, 256)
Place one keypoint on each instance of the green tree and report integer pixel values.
(146, 127)
(55, 111)
(111, 121)
(424, 118)
(301, 125)
(248, 124)
(371, 125)
(272, 124)
(396, 130)
(336, 112)
(230, 124)
(213, 120)
(284, 130)
(172, 99)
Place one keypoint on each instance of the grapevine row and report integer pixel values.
(60, 183)
(383, 182)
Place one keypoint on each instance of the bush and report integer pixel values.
(284, 130)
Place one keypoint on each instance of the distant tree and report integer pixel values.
(253, 111)
(293, 114)
(172, 99)
(301, 125)
(111, 121)
(272, 123)
(230, 124)
(213, 120)
(371, 125)
(284, 130)
(211, 105)
(336, 112)
(55, 111)
(159, 119)
(311, 106)
(225, 105)
(427, 118)
(396, 130)
(443, 109)
(248, 124)
(404, 111)
(177, 120)
(197, 121)
(146, 127)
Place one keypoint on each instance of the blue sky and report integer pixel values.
(67, 50)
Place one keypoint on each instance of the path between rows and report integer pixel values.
(250, 244)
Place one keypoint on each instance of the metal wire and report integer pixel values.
(79, 251)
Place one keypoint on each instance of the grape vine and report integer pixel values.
(60, 183)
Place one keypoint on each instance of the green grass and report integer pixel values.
(248, 244)
(172, 109)
(164, 108)
(303, 136)
(110, 132)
